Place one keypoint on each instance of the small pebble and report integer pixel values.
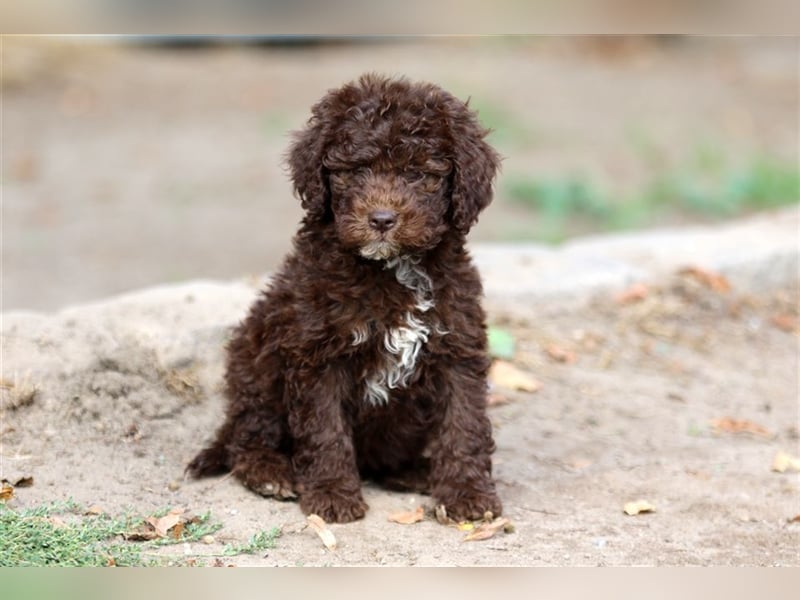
(173, 486)
(207, 539)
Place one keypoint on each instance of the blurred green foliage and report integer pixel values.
(507, 130)
(501, 343)
(706, 188)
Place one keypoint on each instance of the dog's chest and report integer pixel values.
(400, 343)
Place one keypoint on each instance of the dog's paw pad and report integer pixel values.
(275, 489)
(334, 507)
(479, 506)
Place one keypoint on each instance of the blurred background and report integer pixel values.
(135, 161)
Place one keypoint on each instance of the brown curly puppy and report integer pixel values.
(367, 355)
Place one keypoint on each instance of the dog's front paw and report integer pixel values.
(467, 506)
(333, 506)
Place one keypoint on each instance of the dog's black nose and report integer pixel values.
(382, 219)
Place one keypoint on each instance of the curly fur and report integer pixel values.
(366, 357)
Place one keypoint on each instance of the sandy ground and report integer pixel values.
(683, 398)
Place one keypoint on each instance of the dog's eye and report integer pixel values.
(420, 177)
(426, 182)
(349, 174)
(344, 175)
(340, 180)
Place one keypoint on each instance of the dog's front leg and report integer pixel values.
(461, 452)
(323, 455)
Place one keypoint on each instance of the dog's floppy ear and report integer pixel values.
(475, 165)
(304, 160)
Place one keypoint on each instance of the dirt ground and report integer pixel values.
(683, 398)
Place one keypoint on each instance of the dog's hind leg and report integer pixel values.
(260, 450)
(214, 460)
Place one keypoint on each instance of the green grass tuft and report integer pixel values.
(35, 538)
(61, 534)
(263, 540)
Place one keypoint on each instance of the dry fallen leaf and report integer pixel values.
(321, 529)
(496, 400)
(19, 481)
(635, 293)
(177, 531)
(785, 322)
(559, 354)
(408, 517)
(638, 507)
(506, 375)
(6, 491)
(711, 280)
(143, 533)
(794, 519)
(487, 530)
(155, 527)
(785, 462)
(162, 525)
(56, 522)
(729, 425)
(579, 462)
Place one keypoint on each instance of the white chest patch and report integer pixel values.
(403, 343)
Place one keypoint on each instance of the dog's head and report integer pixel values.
(394, 165)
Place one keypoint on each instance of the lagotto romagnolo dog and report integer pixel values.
(367, 355)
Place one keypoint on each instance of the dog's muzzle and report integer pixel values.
(378, 250)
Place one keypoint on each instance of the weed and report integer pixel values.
(41, 537)
(263, 540)
(61, 534)
(193, 531)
